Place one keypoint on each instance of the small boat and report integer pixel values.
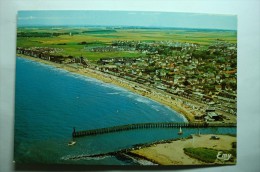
(71, 143)
(180, 132)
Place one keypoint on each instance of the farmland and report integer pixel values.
(76, 41)
(197, 67)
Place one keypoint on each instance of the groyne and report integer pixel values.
(148, 125)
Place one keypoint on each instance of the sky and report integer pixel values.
(127, 18)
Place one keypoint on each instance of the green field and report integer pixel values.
(70, 39)
(207, 155)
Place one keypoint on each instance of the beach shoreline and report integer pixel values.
(161, 153)
(134, 87)
(171, 151)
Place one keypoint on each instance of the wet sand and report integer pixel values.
(172, 153)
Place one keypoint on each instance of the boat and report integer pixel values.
(71, 143)
(180, 132)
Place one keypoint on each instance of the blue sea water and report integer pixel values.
(49, 102)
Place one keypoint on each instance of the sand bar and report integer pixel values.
(172, 153)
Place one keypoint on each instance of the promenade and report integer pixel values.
(185, 107)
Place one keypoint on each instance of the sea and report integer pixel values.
(50, 101)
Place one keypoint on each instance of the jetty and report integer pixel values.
(147, 126)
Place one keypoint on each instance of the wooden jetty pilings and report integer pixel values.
(148, 125)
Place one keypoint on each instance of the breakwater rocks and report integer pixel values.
(124, 154)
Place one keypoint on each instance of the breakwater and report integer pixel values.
(148, 125)
(121, 152)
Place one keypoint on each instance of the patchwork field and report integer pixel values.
(79, 41)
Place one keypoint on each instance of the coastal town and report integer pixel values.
(125, 88)
(198, 81)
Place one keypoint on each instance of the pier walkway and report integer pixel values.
(148, 125)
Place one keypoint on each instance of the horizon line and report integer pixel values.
(127, 26)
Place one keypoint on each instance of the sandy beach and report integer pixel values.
(170, 153)
(173, 154)
(153, 94)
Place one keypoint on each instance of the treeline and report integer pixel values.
(99, 31)
(41, 34)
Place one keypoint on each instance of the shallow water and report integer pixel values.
(50, 102)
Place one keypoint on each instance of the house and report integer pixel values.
(199, 117)
(210, 109)
(213, 116)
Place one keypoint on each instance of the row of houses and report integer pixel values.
(49, 54)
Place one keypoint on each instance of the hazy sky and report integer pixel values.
(127, 18)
